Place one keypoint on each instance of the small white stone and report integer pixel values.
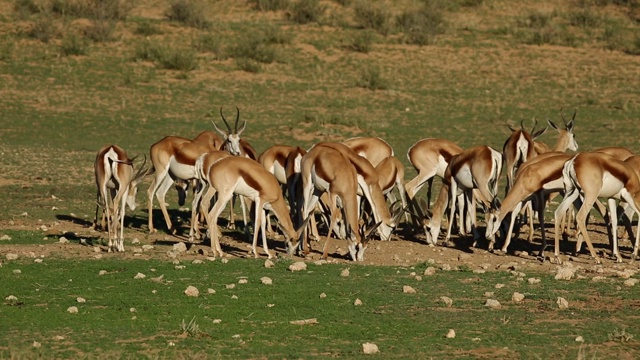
(12, 256)
(243, 281)
(489, 294)
(446, 300)
(418, 278)
(630, 282)
(492, 303)
(147, 247)
(11, 298)
(579, 339)
(72, 310)
(58, 337)
(429, 271)
(271, 305)
(140, 276)
(102, 272)
(230, 286)
(81, 300)
(135, 241)
(192, 291)
(217, 321)
(224, 260)
(234, 297)
(5, 238)
(132, 310)
(517, 297)
(451, 334)
(323, 295)
(211, 291)
(499, 286)
(533, 280)
(36, 344)
(17, 271)
(266, 280)
(479, 271)
(63, 240)
(180, 247)
(565, 273)
(562, 303)
(358, 302)
(408, 289)
(197, 262)
(180, 267)
(370, 348)
(344, 272)
(269, 264)
(298, 266)
(38, 261)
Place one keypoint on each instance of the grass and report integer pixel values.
(143, 314)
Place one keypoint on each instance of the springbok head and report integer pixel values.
(231, 138)
(566, 134)
(134, 181)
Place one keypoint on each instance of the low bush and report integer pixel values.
(190, 13)
(307, 11)
(370, 15)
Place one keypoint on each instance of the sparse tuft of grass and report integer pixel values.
(371, 79)
(363, 41)
(92, 9)
(167, 57)
(73, 45)
(256, 47)
(190, 13)
(307, 11)
(210, 43)
(248, 65)
(421, 26)
(584, 18)
(370, 15)
(271, 5)
(620, 336)
(191, 328)
(147, 28)
(43, 29)
(100, 31)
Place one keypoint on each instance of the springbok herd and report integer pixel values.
(331, 179)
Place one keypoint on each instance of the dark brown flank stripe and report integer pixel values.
(555, 174)
(280, 158)
(249, 179)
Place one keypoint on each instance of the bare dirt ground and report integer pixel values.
(406, 249)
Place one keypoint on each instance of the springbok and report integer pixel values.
(117, 187)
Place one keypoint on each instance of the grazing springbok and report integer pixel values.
(477, 168)
(327, 170)
(566, 138)
(594, 175)
(238, 175)
(373, 149)
(117, 187)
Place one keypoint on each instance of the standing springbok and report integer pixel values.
(117, 186)
(594, 175)
(519, 148)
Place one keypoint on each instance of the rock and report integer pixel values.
(97, 249)
(579, 339)
(565, 273)
(320, 262)
(517, 297)
(230, 286)
(192, 291)
(81, 300)
(446, 267)
(157, 279)
(493, 304)
(58, 337)
(418, 278)
(323, 295)
(147, 247)
(479, 271)
(234, 297)
(446, 300)
(102, 272)
(533, 280)
(140, 276)
(358, 302)
(626, 273)
(298, 266)
(451, 334)
(217, 321)
(430, 271)
(499, 286)
(243, 281)
(132, 310)
(12, 256)
(598, 278)
(304, 322)
(17, 271)
(211, 291)
(224, 260)
(269, 264)
(630, 282)
(5, 238)
(266, 280)
(562, 303)
(408, 289)
(72, 310)
(180, 267)
(488, 294)
(345, 272)
(36, 344)
(37, 261)
(180, 247)
(63, 240)
(136, 241)
(464, 257)
(11, 298)
(370, 348)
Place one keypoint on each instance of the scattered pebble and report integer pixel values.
(17, 271)
(489, 294)
(370, 348)
(234, 297)
(418, 278)
(72, 310)
(451, 334)
(38, 261)
(358, 302)
(36, 344)
(217, 321)
(533, 280)
(243, 281)
(5, 238)
(211, 291)
(408, 289)
(81, 300)
(132, 310)
(304, 322)
(562, 303)
(11, 298)
(579, 339)
(630, 282)
(140, 276)
(12, 256)
(345, 272)
(446, 300)
(517, 297)
(224, 260)
(499, 286)
(298, 266)
(323, 295)
(102, 272)
(180, 247)
(269, 264)
(565, 273)
(493, 304)
(430, 271)
(192, 291)
(63, 240)
(230, 286)
(266, 280)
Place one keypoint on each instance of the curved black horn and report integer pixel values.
(237, 118)
(522, 124)
(225, 120)
(563, 119)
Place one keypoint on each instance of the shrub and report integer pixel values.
(146, 28)
(100, 30)
(254, 46)
(25, 8)
(307, 11)
(147, 51)
(93, 9)
(73, 45)
(248, 65)
(362, 41)
(371, 79)
(190, 13)
(536, 20)
(210, 43)
(271, 5)
(584, 18)
(178, 58)
(420, 26)
(372, 16)
(275, 35)
(43, 29)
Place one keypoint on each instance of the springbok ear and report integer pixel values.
(552, 124)
(539, 133)
(569, 126)
(222, 132)
(244, 125)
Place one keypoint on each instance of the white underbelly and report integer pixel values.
(279, 173)
(442, 166)
(611, 186)
(181, 171)
(242, 188)
(319, 182)
(464, 178)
